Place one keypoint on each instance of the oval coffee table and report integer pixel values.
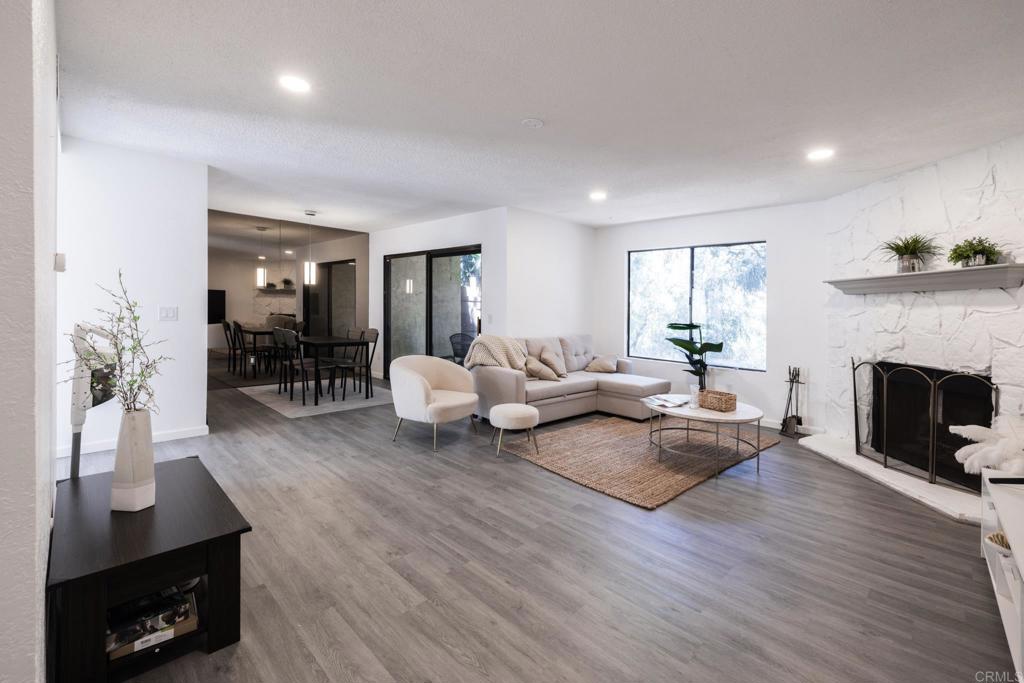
(744, 414)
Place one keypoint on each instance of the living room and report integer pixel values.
(726, 384)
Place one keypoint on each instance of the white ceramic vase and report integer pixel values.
(134, 486)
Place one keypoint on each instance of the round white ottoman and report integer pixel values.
(514, 416)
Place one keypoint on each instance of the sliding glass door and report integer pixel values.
(454, 303)
(406, 322)
(432, 303)
(329, 306)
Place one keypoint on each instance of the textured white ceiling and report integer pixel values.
(673, 107)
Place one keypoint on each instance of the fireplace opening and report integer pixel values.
(912, 407)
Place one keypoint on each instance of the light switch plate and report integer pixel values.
(168, 313)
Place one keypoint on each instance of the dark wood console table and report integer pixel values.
(100, 558)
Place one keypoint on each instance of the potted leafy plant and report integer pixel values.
(287, 282)
(119, 347)
(695, 351)
(910, 252)
(976, 251)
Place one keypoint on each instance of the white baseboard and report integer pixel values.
(110, 444)
(803, 430)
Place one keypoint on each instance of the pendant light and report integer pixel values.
(261, 269)
(280, 256)
(309, 268)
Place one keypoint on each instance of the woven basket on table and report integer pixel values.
(722, 401)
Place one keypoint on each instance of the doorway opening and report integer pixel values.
(329, 306)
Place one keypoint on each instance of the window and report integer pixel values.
(722, 287)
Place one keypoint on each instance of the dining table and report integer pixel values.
(257, 331)
(318, 343)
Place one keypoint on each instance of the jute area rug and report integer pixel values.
(612, 455)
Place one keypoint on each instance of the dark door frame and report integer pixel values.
(328, 289)
(428, 328)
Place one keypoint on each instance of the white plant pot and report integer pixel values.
(134, 486)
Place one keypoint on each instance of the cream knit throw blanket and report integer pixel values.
(492, 350)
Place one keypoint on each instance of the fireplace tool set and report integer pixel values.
(791, 421)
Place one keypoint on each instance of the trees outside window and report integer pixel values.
(721, 287)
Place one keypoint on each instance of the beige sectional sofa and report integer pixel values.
(618, 393)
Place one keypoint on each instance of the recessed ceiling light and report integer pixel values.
(289, 252)
(532, 123)
(262, 258)
(598, 196)
(294, 83)
(821, 154)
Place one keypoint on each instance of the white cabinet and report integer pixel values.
(1002, 509)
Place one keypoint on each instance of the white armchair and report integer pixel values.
(431, 390)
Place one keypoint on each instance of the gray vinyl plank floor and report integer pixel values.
(378, 561)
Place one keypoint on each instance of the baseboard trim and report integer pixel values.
(802, 430)
(110, 444)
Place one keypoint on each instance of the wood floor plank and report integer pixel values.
(384, 562)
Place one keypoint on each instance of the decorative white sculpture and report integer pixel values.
(1001, 447)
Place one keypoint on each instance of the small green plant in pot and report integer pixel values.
(695, 351)
(910, 252)
(976, 251)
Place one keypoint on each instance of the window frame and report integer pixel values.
(692, 248)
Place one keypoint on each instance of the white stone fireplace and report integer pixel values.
(977, 330)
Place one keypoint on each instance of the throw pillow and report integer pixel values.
(553, 361)
(603, 364)
(534, 368)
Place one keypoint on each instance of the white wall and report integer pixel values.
(550, 275)
(796, 297)
(28, 145)
(980, 193)
(486, 228)
(235, 273)
(146, 215)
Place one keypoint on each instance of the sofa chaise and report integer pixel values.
(618, 393)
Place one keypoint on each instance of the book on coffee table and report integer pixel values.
(666, 401)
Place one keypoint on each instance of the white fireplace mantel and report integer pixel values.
(998, 276)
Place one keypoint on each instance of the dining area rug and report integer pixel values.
(614, 456)
(268, 396)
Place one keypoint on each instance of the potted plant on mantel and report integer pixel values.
(977, 251)
(695, 352)
(910, 252)
(129, 370)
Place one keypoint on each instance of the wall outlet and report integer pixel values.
(168, 313)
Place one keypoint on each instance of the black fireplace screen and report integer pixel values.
(912, 407)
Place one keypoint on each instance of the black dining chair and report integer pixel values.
(372, 335)
(232, 348)
(292, 362)
(460, 346)
(344, 362)
(258, 352)
(357, 365)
